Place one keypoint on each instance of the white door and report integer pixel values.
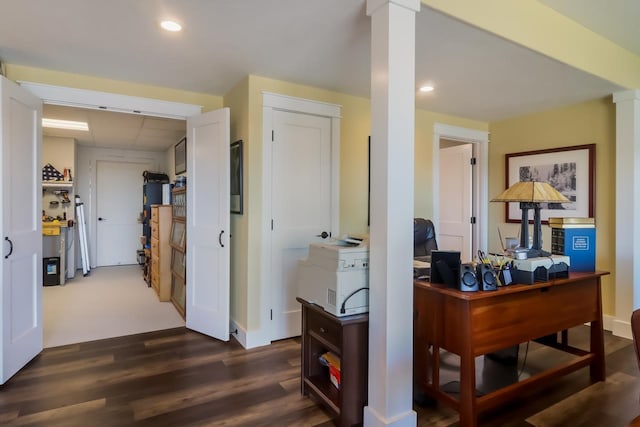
(454, 230)
(118, 206)
(21, 296)
(301, 207)
(208, 218)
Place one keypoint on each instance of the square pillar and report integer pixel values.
(390, 400)
(627, 269)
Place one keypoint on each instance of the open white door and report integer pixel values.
(207, 300)
(455, 230)
(21, 223)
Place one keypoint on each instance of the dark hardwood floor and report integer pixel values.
(181, 378)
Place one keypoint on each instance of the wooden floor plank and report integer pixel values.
(181, 378)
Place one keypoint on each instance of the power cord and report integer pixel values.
(342, 307)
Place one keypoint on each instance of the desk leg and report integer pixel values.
(468, 414)
(597, 369)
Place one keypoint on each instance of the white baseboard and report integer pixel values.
(246, 339)
(258, 338)
(620, 328)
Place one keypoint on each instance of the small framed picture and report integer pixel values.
(180, 156)
(236, 177)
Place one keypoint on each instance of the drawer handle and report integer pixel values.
(323, 330)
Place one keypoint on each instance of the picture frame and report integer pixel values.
(235, 183)
(180, 156)
(570, 170)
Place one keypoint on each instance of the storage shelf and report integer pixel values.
(57, 184)
(325, 391)
(348, 338)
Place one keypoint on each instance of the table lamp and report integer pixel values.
(530, 194)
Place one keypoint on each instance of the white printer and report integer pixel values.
(336, 276)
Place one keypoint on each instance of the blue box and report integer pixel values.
(579, 244)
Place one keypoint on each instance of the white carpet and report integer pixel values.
(109, 302)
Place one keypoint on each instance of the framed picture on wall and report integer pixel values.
(570, 170)
(180, 156)
(236, 177)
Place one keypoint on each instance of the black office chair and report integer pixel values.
(424, 237)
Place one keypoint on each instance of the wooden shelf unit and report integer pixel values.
(348, 338)
(161, 251)
(178, 243)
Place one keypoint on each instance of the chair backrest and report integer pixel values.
(635, 331)
(424, 237)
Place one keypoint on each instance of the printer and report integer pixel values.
(335, 276)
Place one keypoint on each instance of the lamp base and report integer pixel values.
(536, 253)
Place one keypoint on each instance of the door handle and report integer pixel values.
(10, 247)
(101, 219)
(220, 238)
(324, 235)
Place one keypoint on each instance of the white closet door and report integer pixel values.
(21, 222)
(208, 218)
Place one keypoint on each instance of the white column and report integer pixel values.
(391, 231)
(627, 267)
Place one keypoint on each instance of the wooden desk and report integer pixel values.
(471, 324)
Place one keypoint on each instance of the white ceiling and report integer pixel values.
(319, 43)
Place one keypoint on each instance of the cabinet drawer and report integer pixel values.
(323, 327)
(155, 229)
(155, 246)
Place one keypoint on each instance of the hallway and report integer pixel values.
(109, 302)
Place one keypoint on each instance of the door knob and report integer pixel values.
(101, 219)
(324, 235)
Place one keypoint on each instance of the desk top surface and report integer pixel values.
(504, 290)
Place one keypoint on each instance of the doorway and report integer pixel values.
(118, 164)
(301, 143)
(456, 192)
(118, 194)
(479, 141)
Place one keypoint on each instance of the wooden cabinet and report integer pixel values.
(178, 243)
(348, 338)
(161, 251)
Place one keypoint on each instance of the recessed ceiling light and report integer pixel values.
(65, 124)
(171, 26)
(426, 88)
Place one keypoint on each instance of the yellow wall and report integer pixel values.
(58, 78)
(354, 133)
(590, 122)
(237, 99)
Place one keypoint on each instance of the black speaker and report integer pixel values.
(486, 275)
(468, 281)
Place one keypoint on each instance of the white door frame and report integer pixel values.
(105, 101)
(480, 208)
(91, 99)
(271, 102)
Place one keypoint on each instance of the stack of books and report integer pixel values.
(333, 362)
(571, 222)
(575, 238)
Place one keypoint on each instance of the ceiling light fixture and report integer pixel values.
(171, 25)
(64, 124)
(426, 88)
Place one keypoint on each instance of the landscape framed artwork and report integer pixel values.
(570, 170)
